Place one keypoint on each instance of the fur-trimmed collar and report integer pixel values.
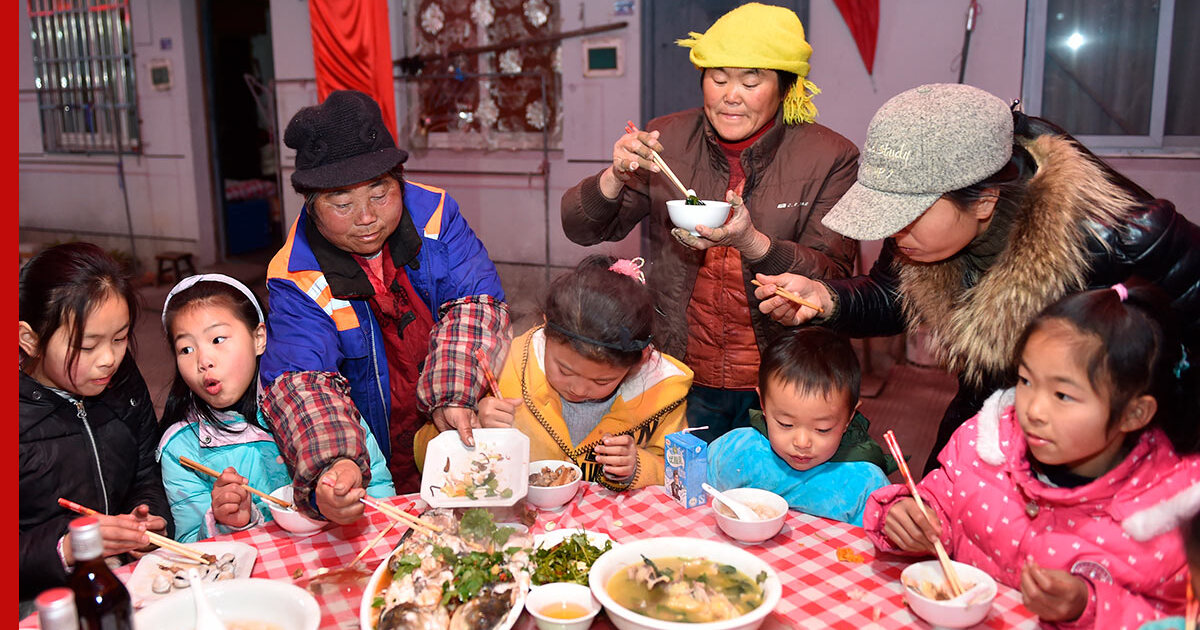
(974, 328)
(1176, 500)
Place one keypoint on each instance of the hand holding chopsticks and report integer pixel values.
(688, 193)
(956, 588)
(197, 466)
(788, 295)
(396, 514)
(161, 541)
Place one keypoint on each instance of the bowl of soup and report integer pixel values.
(241, 604)
(929, 596)
(679, 583)
(769, 508)
(710, 214)
(562, 606)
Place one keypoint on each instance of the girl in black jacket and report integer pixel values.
(87, 423)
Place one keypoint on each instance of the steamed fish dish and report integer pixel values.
(469, 576)
(686, 589)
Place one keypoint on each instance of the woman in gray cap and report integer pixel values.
(989, 216)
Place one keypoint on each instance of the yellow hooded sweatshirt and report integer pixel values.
(648, 404)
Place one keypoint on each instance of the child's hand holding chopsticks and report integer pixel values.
(911, 528)
(230, 500)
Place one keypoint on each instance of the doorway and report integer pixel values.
(238, 63)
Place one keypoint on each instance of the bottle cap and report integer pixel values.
(56, 608)
(86, 540)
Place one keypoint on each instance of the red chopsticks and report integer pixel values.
(943, 557)
(487, 371)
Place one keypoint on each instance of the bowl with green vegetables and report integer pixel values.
(566, 555)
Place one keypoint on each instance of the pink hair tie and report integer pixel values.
(1122, 292)
(631, 268)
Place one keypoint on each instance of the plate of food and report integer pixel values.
(474, 573)
(493, 473)
(566, 555)
(162, 572)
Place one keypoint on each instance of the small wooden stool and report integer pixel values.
(174, 259)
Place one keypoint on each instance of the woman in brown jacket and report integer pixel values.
(753, 143)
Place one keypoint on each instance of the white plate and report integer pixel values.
(555, 536)
(147, 568)
(368, 598)
(512, 471)
(286, 606)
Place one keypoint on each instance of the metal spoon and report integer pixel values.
(206, 619)
(741, 510)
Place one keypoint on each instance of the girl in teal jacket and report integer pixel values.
(215, 328)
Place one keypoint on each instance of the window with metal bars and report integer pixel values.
(84, 75)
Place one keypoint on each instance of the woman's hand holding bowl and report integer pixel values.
(784, 310)
(737, 232)
(630, 152)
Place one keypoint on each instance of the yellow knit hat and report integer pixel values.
(760, 36)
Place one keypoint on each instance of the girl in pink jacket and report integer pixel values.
(1071, 487)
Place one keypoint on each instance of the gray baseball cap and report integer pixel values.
(922, 143)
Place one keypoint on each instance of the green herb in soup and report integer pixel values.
(685, 589)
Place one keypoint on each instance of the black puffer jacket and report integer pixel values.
(114, 474)
(1080, 226)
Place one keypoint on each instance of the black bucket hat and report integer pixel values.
(340, 142)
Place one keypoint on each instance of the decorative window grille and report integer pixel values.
(84, 75)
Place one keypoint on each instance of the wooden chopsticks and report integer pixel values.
(631, 128)
(396, 514)
(788, 295)
(197, 466)
(161, 541)
(956, 588)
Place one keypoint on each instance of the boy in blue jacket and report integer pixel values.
(808, 383)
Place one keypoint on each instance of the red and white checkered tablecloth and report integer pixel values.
(819, 591)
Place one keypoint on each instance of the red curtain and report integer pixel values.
(352, 50)
(862, 16)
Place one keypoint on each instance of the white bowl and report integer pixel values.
(712, 214)
(292, 520)
(628, 553)
(752, 531)
(549, 497)
(548, 595)
(944, 613)
(249, 599)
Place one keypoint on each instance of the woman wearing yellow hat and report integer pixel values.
(754, 144)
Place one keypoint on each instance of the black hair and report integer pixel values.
(62, 286)
(1191, 540)
(1138, 350)
(592, 304)
(182, 400)
(1008, 184)
(813, 360)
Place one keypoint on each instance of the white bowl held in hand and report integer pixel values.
(544, 600)
(549, 497)
(756, 530)
(961, 612)
(292, 520)
(618, 558)
(244, 600)
(712, 214)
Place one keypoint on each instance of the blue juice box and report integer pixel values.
(686, 467)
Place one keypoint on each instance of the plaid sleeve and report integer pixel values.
(450, 378)
(315, 424)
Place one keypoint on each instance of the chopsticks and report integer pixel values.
(948, 568)
(788, 295)
(161, 541)
(487, 371)
(631, 128)
(197, 466)
(1193, 607)
(396, 514)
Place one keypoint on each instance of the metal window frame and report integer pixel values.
(1034, 67)
(85, 76)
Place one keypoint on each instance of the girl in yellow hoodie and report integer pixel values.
(588, 385)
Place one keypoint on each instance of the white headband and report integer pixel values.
(191, 281)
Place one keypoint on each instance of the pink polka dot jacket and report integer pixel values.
(1119, 533)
